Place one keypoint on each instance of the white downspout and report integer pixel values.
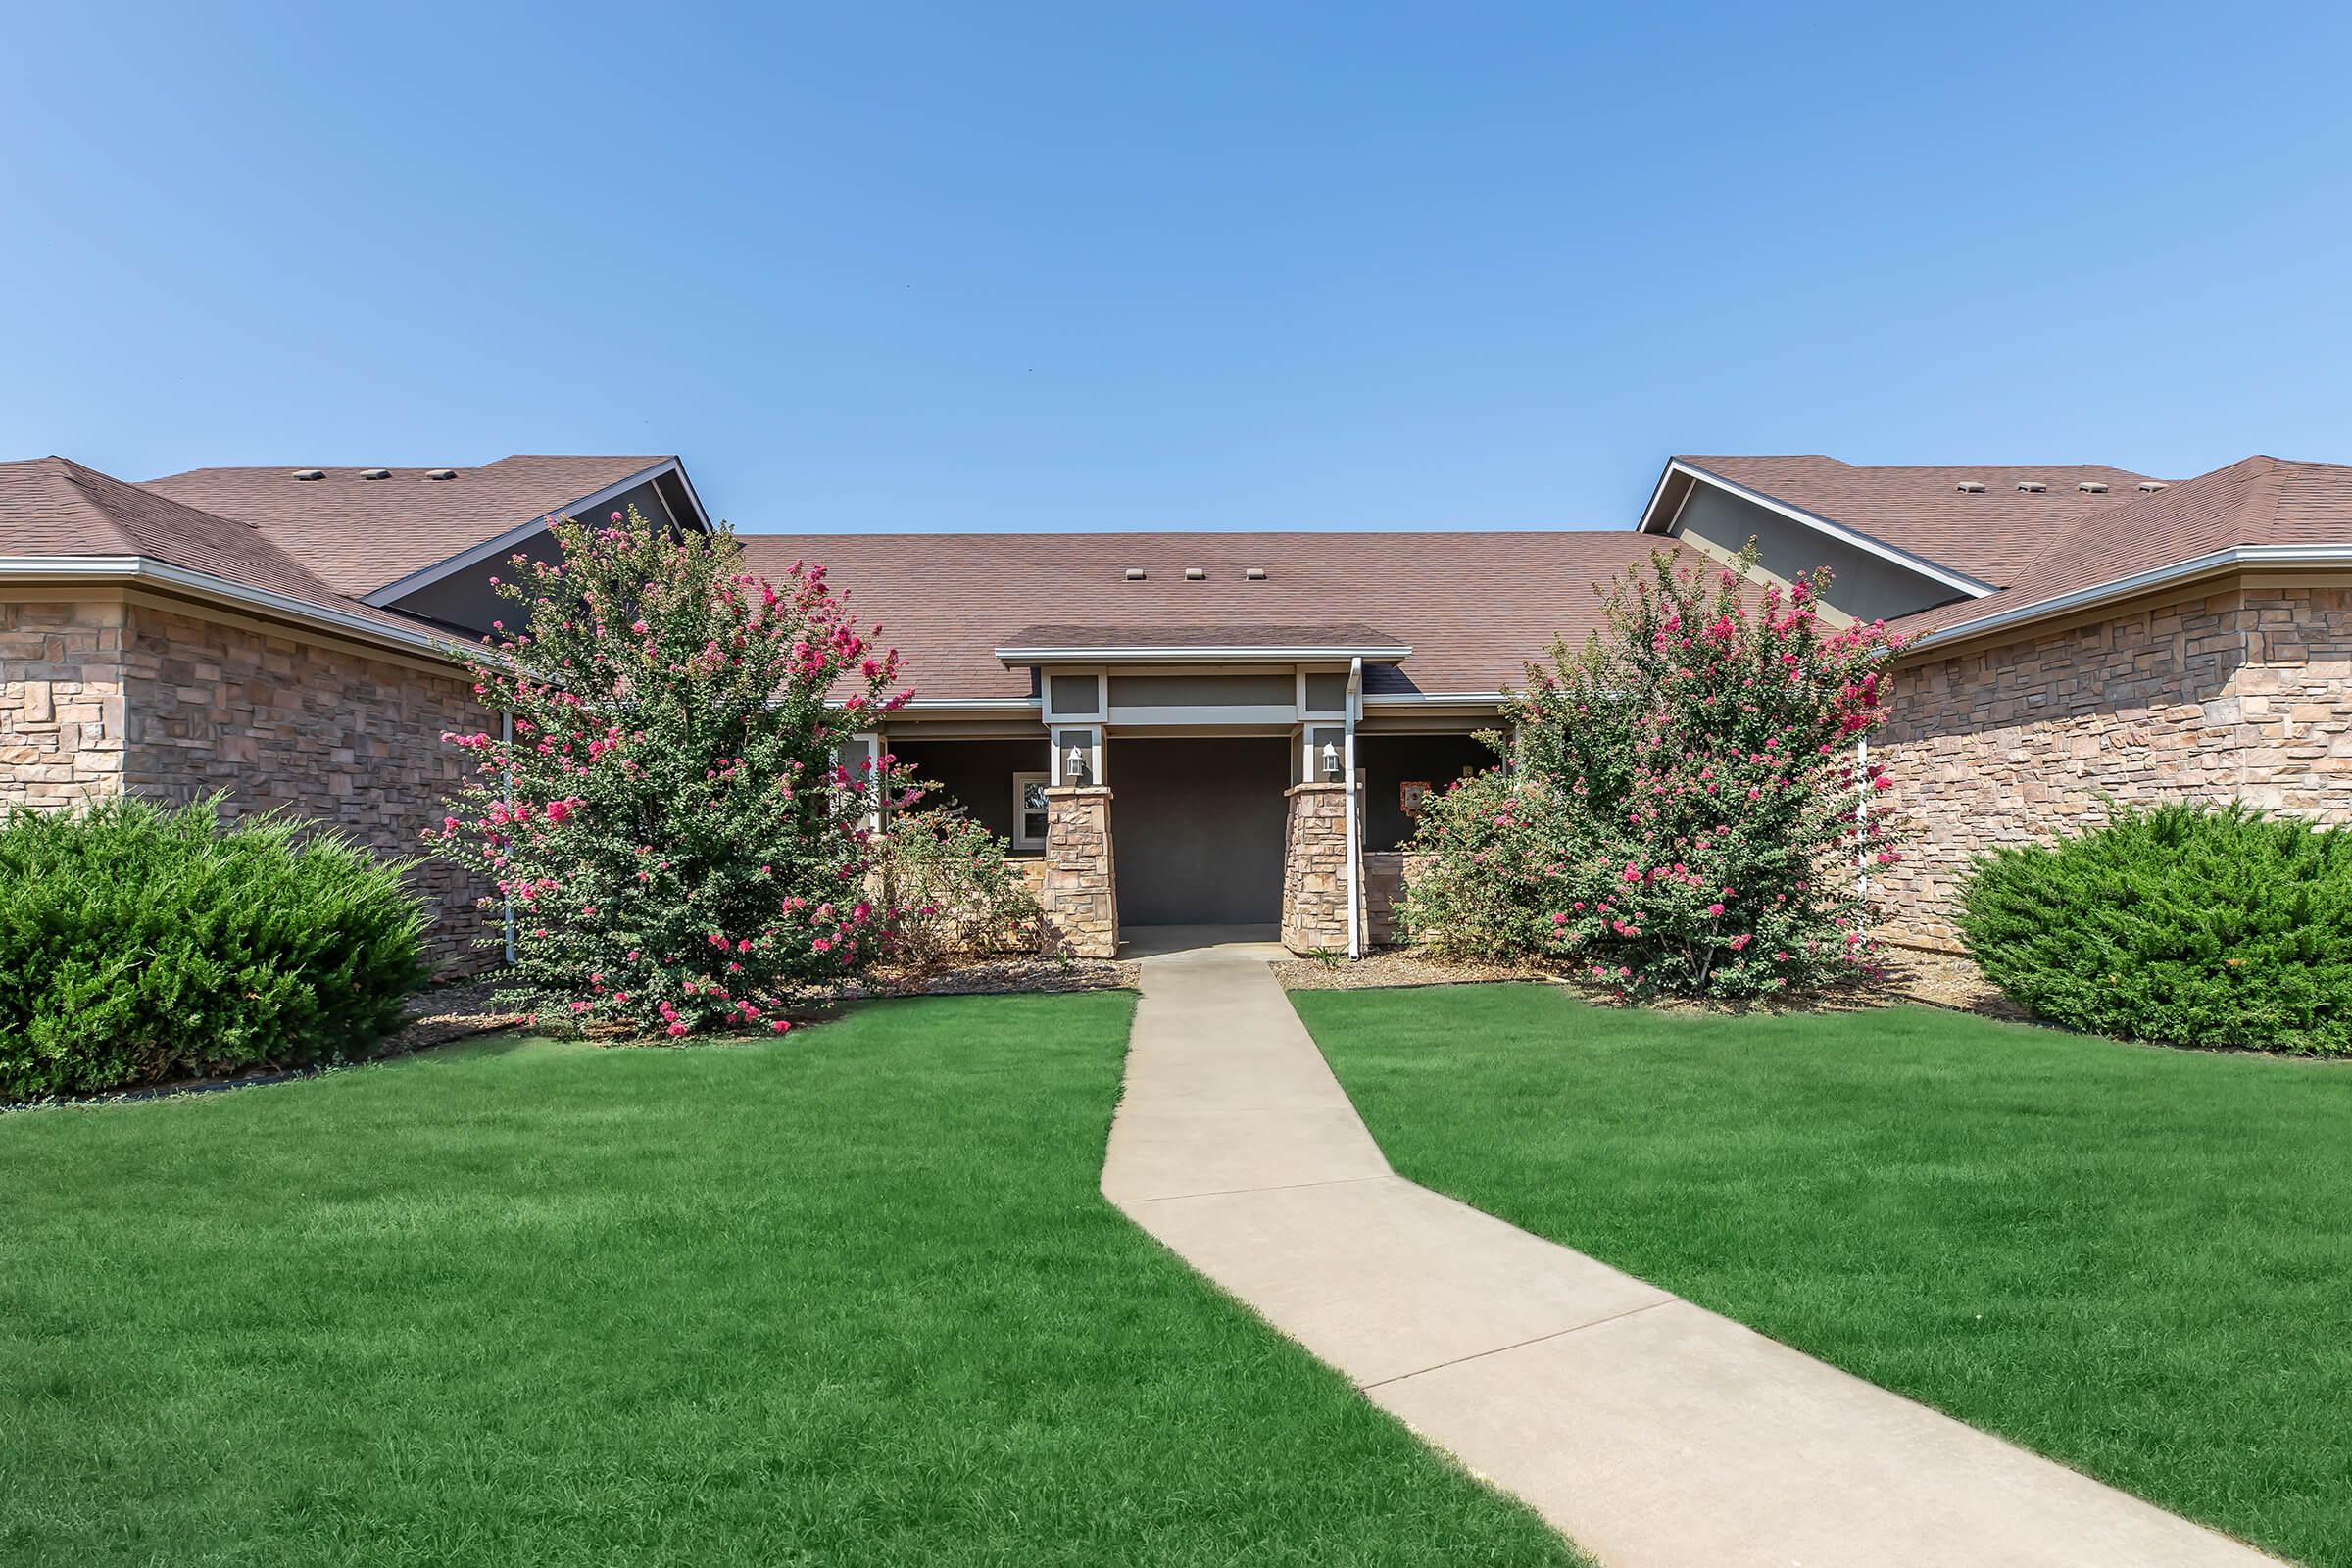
(1862, 829)
(506, 735)
(1355, 848)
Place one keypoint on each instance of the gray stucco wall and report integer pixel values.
(976, 775)
(1195, 829)
(1865, 586)
(1387, 760)
(465, 598)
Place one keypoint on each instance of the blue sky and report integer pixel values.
(1010, 266)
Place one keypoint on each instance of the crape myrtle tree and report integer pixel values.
(1683, 814)
(671, 821)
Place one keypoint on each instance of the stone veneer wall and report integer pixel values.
(2243, 693)
(320, 729)
(1387, 874)
(1080, 892)
(1314, 869)
(61, 703)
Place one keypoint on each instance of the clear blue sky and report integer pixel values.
(1005, 265)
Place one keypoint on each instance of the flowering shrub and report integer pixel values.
(2182, 924)
(953, 887)
(140, 943)
(1491, 842)
(1684, 815)
(669, 819)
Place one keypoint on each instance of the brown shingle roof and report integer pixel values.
(1921, 511)
(56, 507)
(358, 535)
(1474, 607)
(1351, 636)
(2259, 500)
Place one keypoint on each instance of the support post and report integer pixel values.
(1080, 899)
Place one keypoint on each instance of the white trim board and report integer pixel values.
(2137, 583)
(1959, 581)
(426, 576)
(145, 568)
(1189, 655)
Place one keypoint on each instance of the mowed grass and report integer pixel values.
(2136, 1260)
(848, 1298)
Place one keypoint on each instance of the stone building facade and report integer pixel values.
(128, 692)
(62, 710)
(1080, 893)
(2235, 692)
(1314, 869)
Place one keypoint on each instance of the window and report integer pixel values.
(1028, 813)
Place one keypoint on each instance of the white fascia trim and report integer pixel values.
(2141, 582)
(1656, 493)
(513, 536)
(982, 704)
(1863, 542)
(144, 569)
(1197, 656)
(1434, 699)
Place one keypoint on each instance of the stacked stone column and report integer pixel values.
(1081, 895)
(1314, 869)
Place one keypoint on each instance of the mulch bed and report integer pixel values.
(1939, 979)
(1006, 972)
(1399, 966)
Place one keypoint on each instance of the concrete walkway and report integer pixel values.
(1652, 1434)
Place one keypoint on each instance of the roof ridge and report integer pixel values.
(75, 476)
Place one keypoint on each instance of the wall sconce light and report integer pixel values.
(1331, 763)
(1073, 766)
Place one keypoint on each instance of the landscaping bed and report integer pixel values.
(848, 1296)
(2128, 1257)
(1943, 979)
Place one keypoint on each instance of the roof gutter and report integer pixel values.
(145, 568)
(1434, 699)
(1183, 654)
(2237, 556)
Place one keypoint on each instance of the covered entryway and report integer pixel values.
(1199, 822)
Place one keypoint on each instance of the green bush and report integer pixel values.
(956, 890)
(1683, 811)
(140, 943)
(1488, 848)
(2182, 924)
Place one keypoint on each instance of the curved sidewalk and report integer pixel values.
(1654, 1434)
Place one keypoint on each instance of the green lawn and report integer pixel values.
(2137, 1260)
(850, 1298)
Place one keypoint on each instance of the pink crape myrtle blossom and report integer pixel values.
(673, 801)
(1680, 813)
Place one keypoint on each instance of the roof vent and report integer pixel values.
(1969, 487)
(375, 473)
(1135, 575)
(1195, 574)
(1254, 574)
(307, 473)
(2148, 487)
(440, 473)
(2092, 487)
(2032, 487)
